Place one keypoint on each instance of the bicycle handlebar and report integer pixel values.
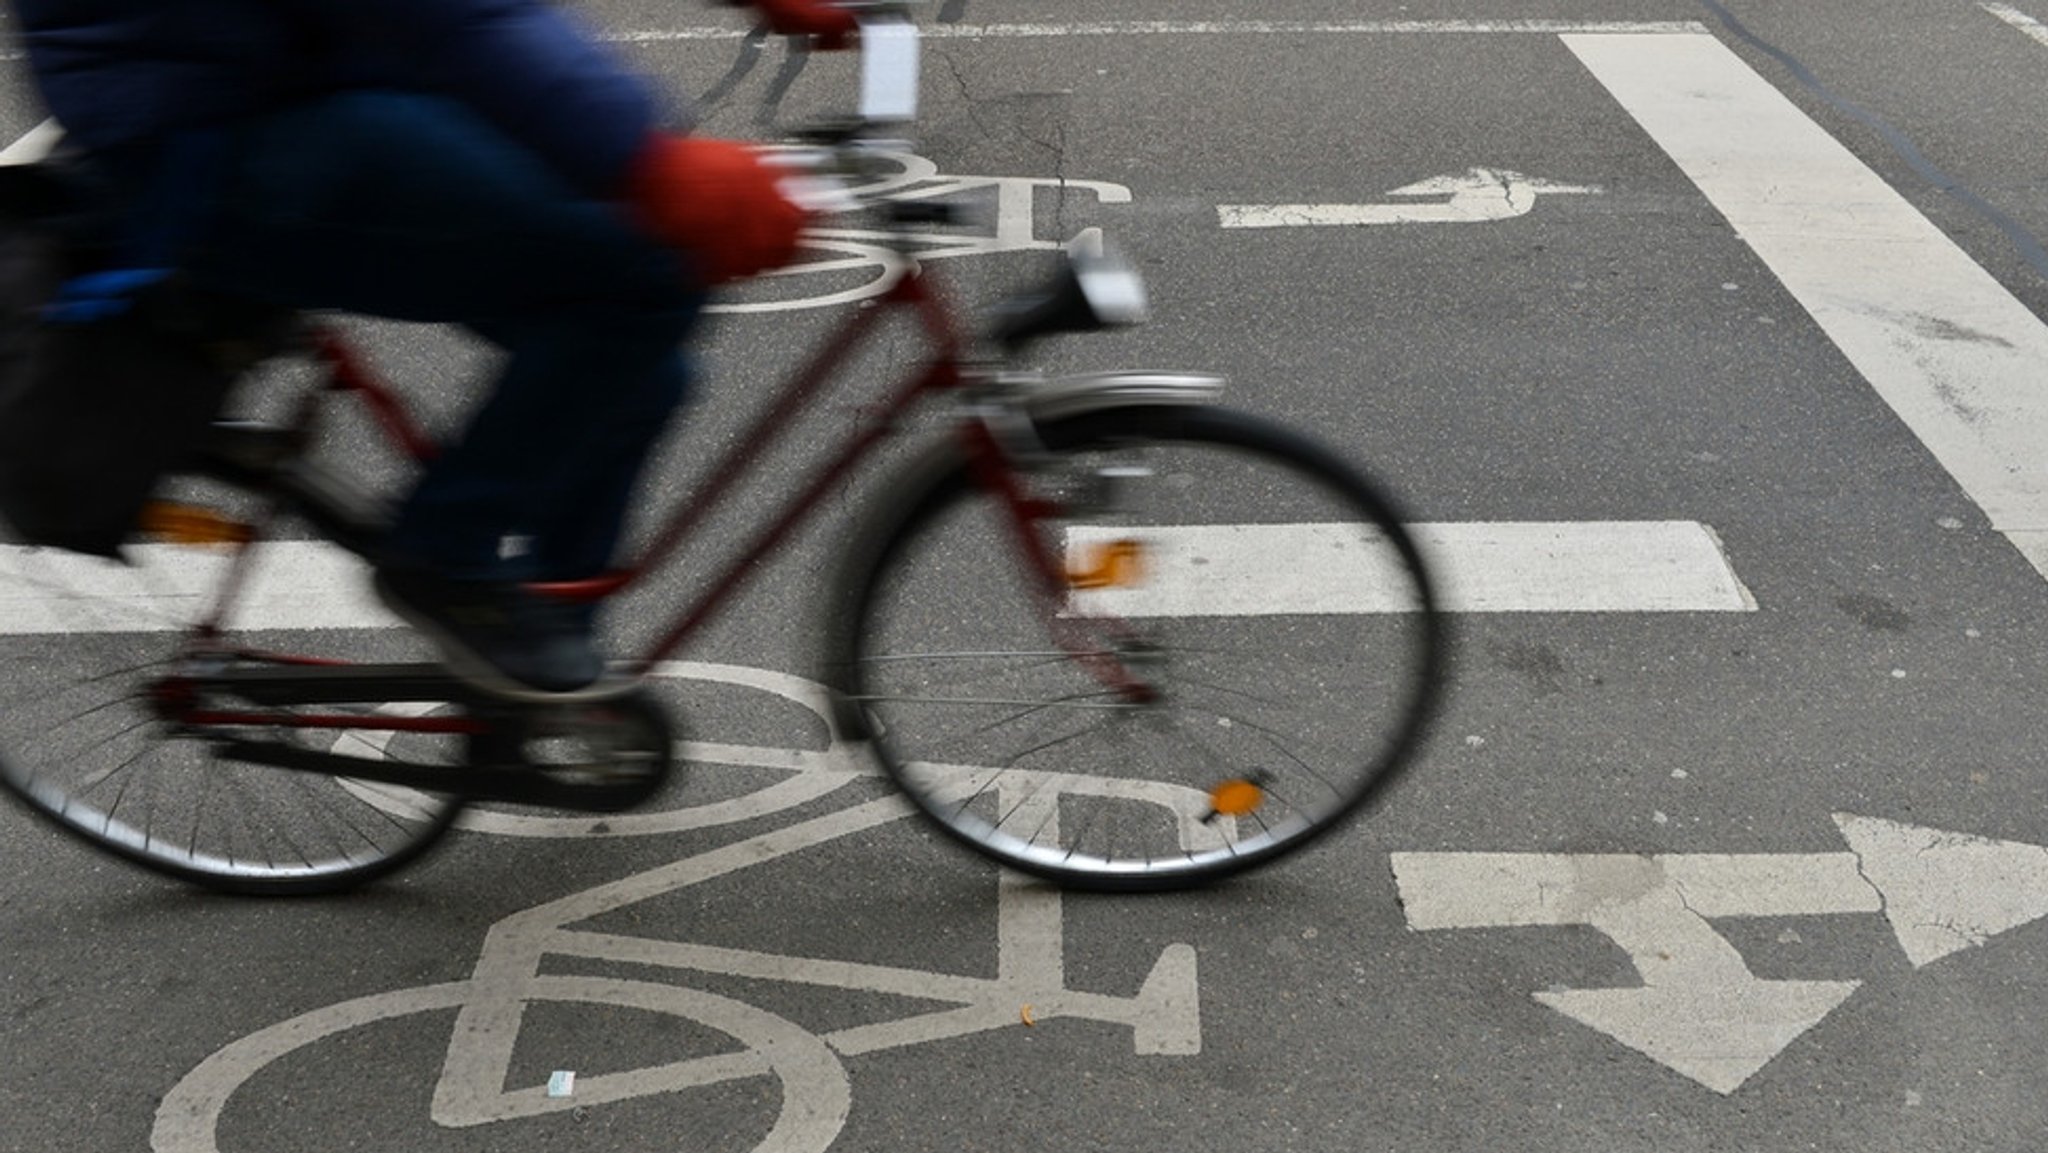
(1096, 289)
(829, 157)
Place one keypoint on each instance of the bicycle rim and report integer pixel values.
(1263, 596)
(84, 645)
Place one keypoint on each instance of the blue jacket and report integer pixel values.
(122, 73)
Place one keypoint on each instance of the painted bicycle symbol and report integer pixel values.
(845, 264)
(493, 1004)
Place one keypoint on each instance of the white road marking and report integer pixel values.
(1507, 566)
(1946, 892)
(1218, 28)
(816, 1096)
(1476, 196)
(1699, 1010)
(296, 585)
(1593, 566)
(812, 773)
(1030, 969)
(2020, 20)
(32, 145)
(1954, 354)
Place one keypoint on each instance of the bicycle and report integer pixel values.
(1155, 588)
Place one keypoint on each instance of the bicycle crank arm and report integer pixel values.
(459, 779)
(595, 789)
(281, 685)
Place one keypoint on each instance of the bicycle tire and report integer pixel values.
(1250, 544)
(82, 645)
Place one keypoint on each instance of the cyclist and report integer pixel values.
(485, 163)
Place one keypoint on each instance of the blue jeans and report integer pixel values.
(413, 208)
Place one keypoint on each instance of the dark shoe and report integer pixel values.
(496, 634)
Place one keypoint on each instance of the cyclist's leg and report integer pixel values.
(578, 529)
(530, 463)
(411, 207)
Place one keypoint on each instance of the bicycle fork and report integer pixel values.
(1109, 648)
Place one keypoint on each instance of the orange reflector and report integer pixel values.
(1114, 564)
(1236, 798)
(177, 523)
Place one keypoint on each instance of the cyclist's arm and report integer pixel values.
(526, 65)
(530, 69)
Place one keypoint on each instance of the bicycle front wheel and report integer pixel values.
(1234, 647)
(92, 653)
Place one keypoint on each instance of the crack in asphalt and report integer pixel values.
(2028, 246)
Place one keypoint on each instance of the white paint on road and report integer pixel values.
(1700, 1010)
(1945, 892)
(1954, 354)
(1500, 566)
(2027, 25)
(1592, 566)
(1472, 197)
(296, 585)
(32, 145)
(1020, 31)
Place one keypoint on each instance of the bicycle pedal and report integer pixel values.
(275, 683)
(605, 755)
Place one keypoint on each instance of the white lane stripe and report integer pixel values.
(2020, 20)
(1499, 567)
(297, 585)
(1310, 27)
(1650, 566)
(1961, 361)
(1583, 566)
(1218, 28)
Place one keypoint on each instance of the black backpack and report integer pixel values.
(108, 380)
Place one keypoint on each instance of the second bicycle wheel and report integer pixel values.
(1242, 649)
(91, 653)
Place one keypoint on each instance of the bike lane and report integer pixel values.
(1331, 1015)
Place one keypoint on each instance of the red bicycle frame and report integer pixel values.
(939, 373)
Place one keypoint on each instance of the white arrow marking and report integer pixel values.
(1700, 1011)
(1479, 195)
(1945, 892)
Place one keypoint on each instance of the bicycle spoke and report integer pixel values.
(84, 745)
(1277, 724)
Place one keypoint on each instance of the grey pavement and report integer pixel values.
(1681, 880)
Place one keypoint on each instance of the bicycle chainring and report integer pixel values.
(597, 756)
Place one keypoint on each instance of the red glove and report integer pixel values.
(832, 25)
(717, 198)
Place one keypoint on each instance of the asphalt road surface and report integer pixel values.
(1740, 849)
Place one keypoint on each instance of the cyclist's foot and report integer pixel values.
(496, 634)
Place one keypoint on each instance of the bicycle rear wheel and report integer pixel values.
(1243, 650)
(87, 652)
